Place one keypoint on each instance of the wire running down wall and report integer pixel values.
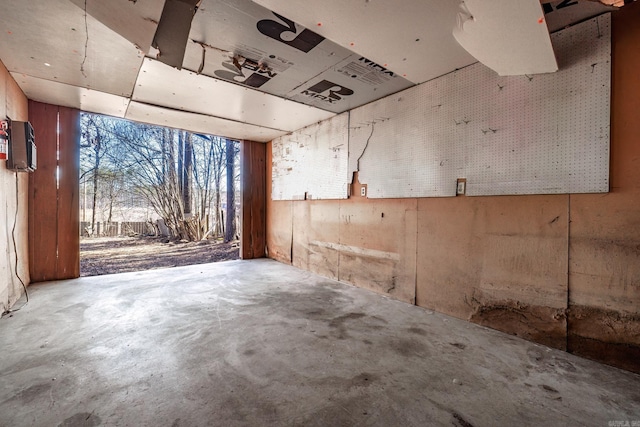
(542, 134)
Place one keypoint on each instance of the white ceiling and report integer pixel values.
(243, 76)
(67, 95)
(136, 21)
(218, 98)
(199, 123)
(411, 37)
(41, 32)
(481, 30)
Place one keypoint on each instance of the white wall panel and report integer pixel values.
(312, 162)
(509, 37)
(196, 93)
(136, 21)
(50, 40)
(540, 134)
(199, 123)
(57, 93)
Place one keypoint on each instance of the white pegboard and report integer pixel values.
(312, 163)
(542, 134)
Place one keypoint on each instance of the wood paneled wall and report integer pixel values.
(54, 242)
(254, 202)
(560, 270)
(604, 256)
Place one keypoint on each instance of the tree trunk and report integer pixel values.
(181, 173)
(96, 148)
(111, 197)
(94, 202)
(188, 173)
(218, 229)
(230, 229)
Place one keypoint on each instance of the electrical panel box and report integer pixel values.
(22, 147)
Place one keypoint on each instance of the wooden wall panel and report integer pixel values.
(17, 104)
(7, 193)
(447, 266)
(280, 219)
(497, 261)
(280, 231)
(604, 281)
(253, 157)
(368, 243)
(17, 108)
(4, 81)
(68, 198)
(378, 245)
(315, 232)
(43, 195)
(54, 249)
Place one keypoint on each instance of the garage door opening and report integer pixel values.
(155, 197)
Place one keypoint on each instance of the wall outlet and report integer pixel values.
(461, 187)
(363, 191)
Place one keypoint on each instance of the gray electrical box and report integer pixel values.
(22, 147)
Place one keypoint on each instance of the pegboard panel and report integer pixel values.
(312, 163)
(541, 134)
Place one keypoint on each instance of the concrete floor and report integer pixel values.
(261, 343)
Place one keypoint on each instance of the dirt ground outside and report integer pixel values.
(109, 255)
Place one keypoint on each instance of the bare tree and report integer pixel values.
(208, 177)
(230, 229)
(161, 161)
(187, 172)
(94, 146)
(109, 190)
(177, 172)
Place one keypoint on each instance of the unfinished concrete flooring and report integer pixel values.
(255, 343)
